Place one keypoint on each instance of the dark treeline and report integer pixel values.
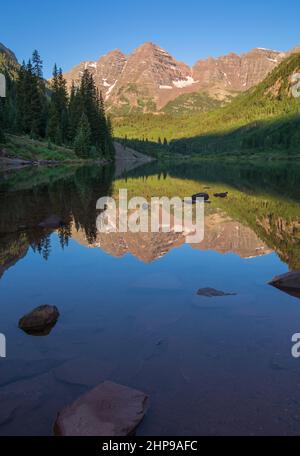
(19, 225)
(47, 111)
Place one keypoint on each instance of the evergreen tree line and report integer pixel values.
(47, 111)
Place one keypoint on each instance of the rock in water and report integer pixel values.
(108, 410)
(205, 196)
(40, 321)
(52, 222)
(289, 283)
(221, 195)
(211, 292)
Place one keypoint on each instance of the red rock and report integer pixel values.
(107, 410)
(152, 75)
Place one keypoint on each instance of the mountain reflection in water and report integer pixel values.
(129, 305)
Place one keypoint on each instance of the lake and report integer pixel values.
(128, 303)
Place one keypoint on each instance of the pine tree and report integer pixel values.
(75, 112)
(53, 129)
(30, 99)
(63, 106)
(58, 120)
(86, 100)
(82, 142)
(37, 65)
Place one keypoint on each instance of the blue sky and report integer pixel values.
(68, 32)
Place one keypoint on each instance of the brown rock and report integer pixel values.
(108, 410)
(289, 283)
(205, 196)
(40, 321)
(221, 195)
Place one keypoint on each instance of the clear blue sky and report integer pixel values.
(69, 31)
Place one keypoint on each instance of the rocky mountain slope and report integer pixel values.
(149, 78)
(236, 72)
(4, 51)
(265, 117)
(8, 60)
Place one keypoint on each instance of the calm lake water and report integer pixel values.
(129, 309)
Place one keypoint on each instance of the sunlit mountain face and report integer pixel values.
(150, 78)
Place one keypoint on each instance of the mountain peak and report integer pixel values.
(8, 53)
(114, 52)
(148, 78)
(148, 46)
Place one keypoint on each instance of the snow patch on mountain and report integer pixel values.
(110, 90)
(105, 83)
(181, 83)
(268, 50)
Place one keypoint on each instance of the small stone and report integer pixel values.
(212, 292)
(40, 321)
(108, 410)
(221, 195)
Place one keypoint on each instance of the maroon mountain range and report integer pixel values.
(149, 77)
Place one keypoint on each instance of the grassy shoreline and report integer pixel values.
(23, 150)
(27, 149)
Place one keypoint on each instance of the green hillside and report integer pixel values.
(265, 117)
(192, 102)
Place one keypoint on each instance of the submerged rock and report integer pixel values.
(51, 222)
(212, 292)
(108, 410)
(289, 283)
(40, 321)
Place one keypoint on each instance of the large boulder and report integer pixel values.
(289, 283)
(40, 321)
(108, 410)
